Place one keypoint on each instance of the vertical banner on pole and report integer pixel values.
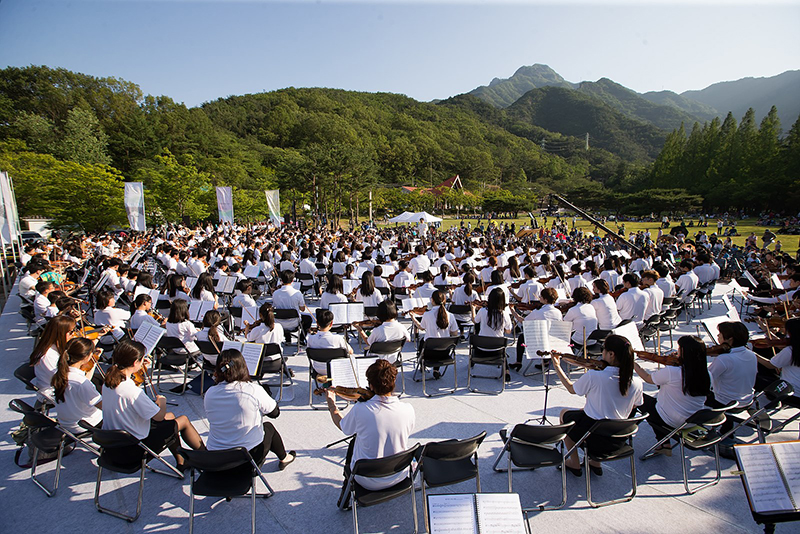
(134, 205)
(10, 226)
(274, 205)
(225, 204)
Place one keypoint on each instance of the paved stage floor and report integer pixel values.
(306, 492)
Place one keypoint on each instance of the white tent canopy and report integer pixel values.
(426, 216)
(406, 216)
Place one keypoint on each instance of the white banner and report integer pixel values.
(274, 205)
(225, 204)
(134, 205)
(10, 225)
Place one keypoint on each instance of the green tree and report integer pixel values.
(83, 140)
(177, 189)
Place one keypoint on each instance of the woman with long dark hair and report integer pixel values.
(494, 319)
(787, 361)
(367, 293)
(77, 398)
(44, 358)
(682, 390)
(235, 407)
(180, 326)
(334, 291)
(265, 329)
(204, 289)
(611, 393)
(127, 407)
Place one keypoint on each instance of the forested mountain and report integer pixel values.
(573, 113)
(634, 106)
(672, 99)
(760, 94)
(504, 92)
(70, 141)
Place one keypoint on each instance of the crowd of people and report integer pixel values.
(498, 279)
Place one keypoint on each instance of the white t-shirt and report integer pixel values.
(127, 407)
(326, 340)
(673, 405)
(603, 400)
(202, 335)
(185, 331)
(234, 411)
(482, 319)
(733, 375)
(139, 318)
(383, 426)
(388, 331)
(428, 322)
(584, 319)
(370, 301)
(44, 370)
(262, 334)
(80, 399)
(605, 307)
(331, 298)
(789, 372)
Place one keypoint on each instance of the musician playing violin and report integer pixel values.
(787, 361)
(382, 425)
(611, 393)
(144, 304)
(548, 298)
(682, 390)
(389, 330)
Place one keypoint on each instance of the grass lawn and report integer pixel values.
(790, 243)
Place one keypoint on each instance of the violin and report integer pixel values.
(716, 350)
(155, 315)
(766, 343)
(350, 394)
(563, 308)
(588, 363)
(672, 360)
(368, 323)
(417, 311)
(92, 333)
(91, 363)
(527, 306)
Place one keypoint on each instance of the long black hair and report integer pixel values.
(792, 328)
(694, 368)
(623, 356)
(495, 308)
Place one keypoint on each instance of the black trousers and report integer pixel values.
(655, 420)
(272, 443)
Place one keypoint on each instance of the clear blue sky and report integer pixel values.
(196, 51)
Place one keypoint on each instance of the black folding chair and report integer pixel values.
(391, 351)
(436, 352)
(608, 440)
(444, 463)
(121, 452)
(227, 473)
(698, 433)
(487, 350)
(171, 351)
(379, 468)
(534, 446)
(319, 356)
(210, 349)
(273, 362)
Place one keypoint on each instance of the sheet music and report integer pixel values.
(560, 334)
(361, 270)
(205, 306)
(535, 332)
(252, 271)
(776, 281)
(249, 314)
(362, 364)
(142, 332)
(732, 313)
(226, 284)
(235, 345)
(296, 285)
(763, 478)
(788, 455)
(152, 337)
(252, 356)
(194, 308)
(191, 281)
(410, 303)
(562, 293)
(340, 372)
(750, 279)
(630, 333)
(154, 294)
(388, 270)
(711, 326)
(734, 285)
(499, 513)
(452, 514)
(349, 285)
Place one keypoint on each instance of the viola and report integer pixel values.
(766, 343)
(716, 350)
(350, 394)
(672, 359)
(588, 363)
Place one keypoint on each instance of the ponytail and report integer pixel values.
(127, 353)
(76, 350)
(469, 279)
(442, 320)
(623, 354)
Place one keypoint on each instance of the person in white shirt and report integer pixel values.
(333, 292)
(655, 294)
(704, 272)
(235, 407)
(422, 229)
(265, 330)
(688, 281)
(611, 393)
(530, 290)
(437, 322)
(77, 398)
(733, 374)
(204, 290)
(547, 298)
(40, 301)
(633, 302)
(142, 316)
(664, 281)
(787, 361)
(403, 278)
(288, 298)
(325, 339)
(177, 288)
(367, 293)
(419, 263)
(180, 326)
(582, 316)
(107, 314)
(47, 352)
(389, 329)
(382, 425)
(244, 297)
(127, 407)
(213, 333)
(27, 285)
(427, 288)
(682, 390)
(494, 319)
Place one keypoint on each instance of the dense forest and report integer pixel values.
(70, 140)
